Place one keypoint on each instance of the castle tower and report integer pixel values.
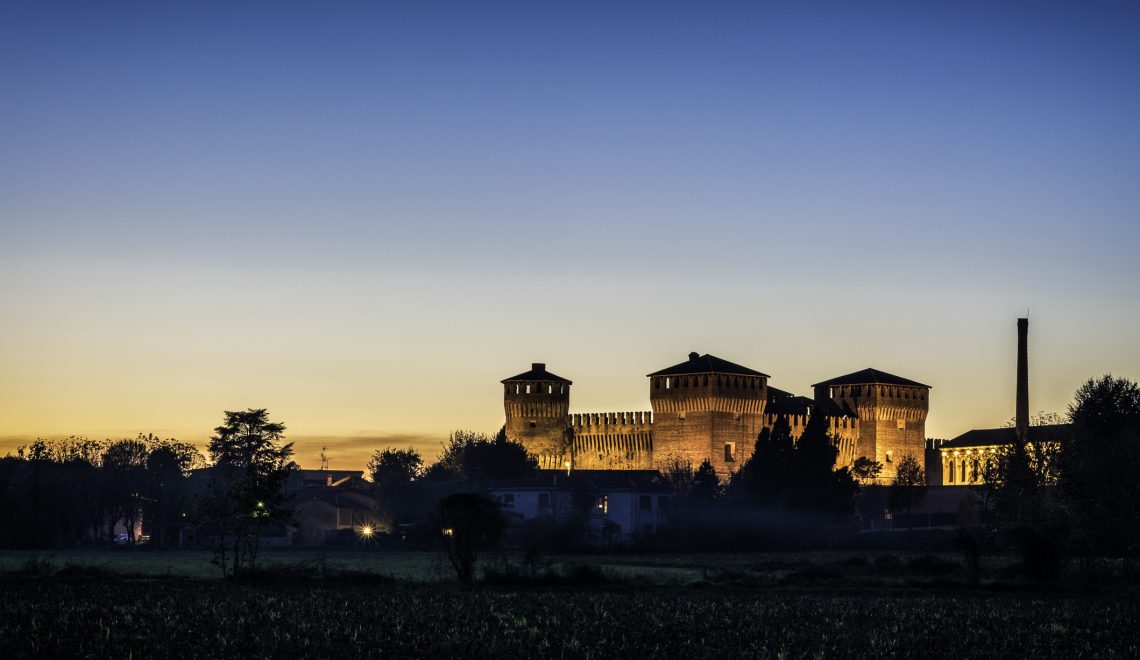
(1021, 423)
(707, 407)
(537, 404)
(892, 414)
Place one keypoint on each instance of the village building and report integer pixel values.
(618, 505)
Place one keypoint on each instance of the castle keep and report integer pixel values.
(710, 408)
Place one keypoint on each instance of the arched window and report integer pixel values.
(950, 480)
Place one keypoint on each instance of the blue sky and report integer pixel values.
(362, 215)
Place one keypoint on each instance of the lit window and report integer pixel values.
(604, 504)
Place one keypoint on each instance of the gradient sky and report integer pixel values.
(363, 215)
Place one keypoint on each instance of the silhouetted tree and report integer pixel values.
(678, 474)
(390, 468)
(706, 484)
(125, 478)
(469, 523)
(797, 475)
(909, 486)
(866, 470)
(474, 456)
(48, 493)
(1100, 463)
(766, 477)
(392, 471)
(168, 466)
(250, 468)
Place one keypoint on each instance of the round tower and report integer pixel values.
(537, 405)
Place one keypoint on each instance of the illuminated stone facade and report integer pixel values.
(709, 408)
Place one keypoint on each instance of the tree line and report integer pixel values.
(1076, 496)
(65, 492)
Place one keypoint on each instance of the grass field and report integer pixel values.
(150, 603)
(187, 618)
(660, 569)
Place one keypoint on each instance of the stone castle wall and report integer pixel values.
(611, 441)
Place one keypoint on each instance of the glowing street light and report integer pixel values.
(366, 531)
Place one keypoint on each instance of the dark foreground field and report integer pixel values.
(174, 617)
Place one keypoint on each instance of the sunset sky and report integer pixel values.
(363, 215)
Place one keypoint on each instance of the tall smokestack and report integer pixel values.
(1022, 420)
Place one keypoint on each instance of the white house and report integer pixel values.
(636, 501)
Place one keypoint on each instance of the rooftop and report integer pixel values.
(706, 364)
(538, 372)
(786, 403)
(1007, 436)
(869, 375)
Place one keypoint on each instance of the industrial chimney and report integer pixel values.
(1021, 422)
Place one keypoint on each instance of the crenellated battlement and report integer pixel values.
(738, 405)
(589, 420)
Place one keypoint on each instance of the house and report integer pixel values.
(620, 505)
(323, 516)
(329, 505)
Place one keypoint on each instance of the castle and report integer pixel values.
(710, 408)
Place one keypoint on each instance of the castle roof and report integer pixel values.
(706, 364)
(538, 372)
(786, 403)
(870, 376)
